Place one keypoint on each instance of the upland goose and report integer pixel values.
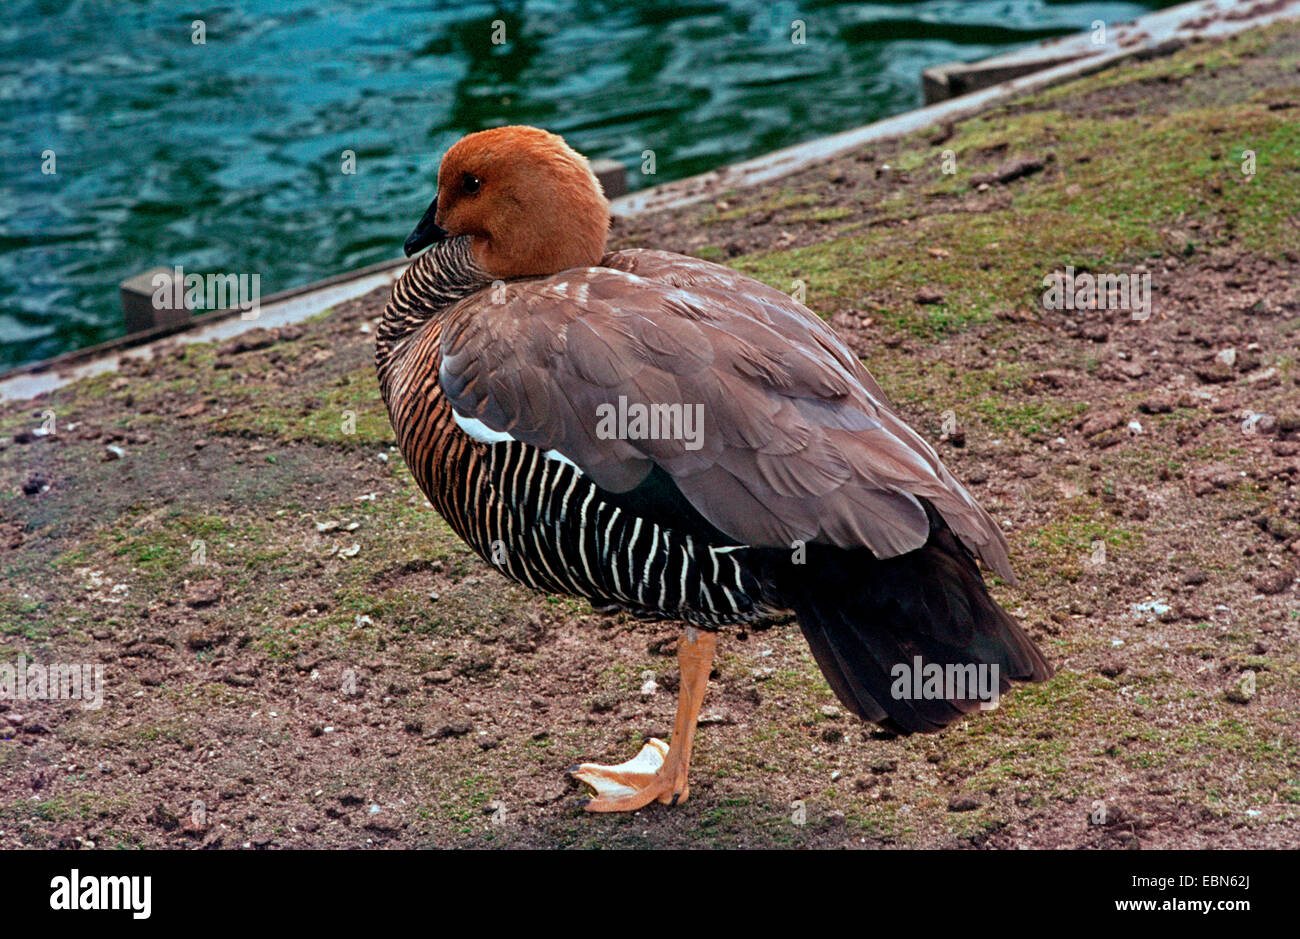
(667, 436)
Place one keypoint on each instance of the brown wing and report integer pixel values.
(798, 442)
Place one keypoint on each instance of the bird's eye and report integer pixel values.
(471, 183)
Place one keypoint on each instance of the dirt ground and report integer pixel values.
(298, 653)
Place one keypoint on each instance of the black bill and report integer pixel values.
(427, 232)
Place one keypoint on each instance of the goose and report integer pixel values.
(666, 436)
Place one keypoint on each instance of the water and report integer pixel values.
(226, 156)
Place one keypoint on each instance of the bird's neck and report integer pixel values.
(445, 273)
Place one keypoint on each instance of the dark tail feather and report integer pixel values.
(863, 617)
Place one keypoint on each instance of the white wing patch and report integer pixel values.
(478, 430)
(485, 434)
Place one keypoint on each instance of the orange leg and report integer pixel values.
(659, 770)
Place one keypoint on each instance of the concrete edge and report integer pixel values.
(280, 309)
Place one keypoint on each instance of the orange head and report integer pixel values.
(529, 201)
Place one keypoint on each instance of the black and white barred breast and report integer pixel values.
(539, 520)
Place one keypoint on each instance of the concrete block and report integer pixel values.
(612, 175)
(941, 82)
(138, 307)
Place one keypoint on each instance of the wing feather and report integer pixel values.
(797, 442)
